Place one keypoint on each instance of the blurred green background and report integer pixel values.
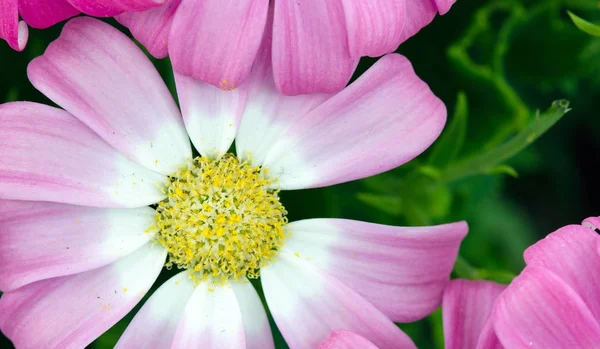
(495, 63)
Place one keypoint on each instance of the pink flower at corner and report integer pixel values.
(316, 44)
(42, 14)
(553, 303)
(79, 246)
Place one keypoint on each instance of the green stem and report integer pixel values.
(485, 162)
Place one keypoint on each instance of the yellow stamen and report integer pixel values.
(220, 220)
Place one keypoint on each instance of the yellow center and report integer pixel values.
(220, 220)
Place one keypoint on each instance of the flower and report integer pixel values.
(42, 14)
(316, 44)
(79, 247)
(553, 303)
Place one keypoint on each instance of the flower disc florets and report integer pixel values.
(220, 219)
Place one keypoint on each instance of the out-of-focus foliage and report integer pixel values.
(510, 161)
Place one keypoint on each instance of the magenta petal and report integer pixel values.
(216, 41)
(152, 27)
(382, 120)
(99, 75)
(72, 311)
(154, 326)
(538, 310)
(346, 340)
(11, 30)
(374, 27)
(378, 261)
(49, 155)
(592, 223)
(570, 253)
(307, 304)
(109, 8)
(466, 308)
(41, 240)
(488, 338)
(419, 13)
(45, 13)
(310, 47)
(444, 6)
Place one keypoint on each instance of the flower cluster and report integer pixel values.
(104, 195)
(316, 44)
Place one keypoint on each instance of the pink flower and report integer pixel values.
(553, 303)
(79, 248)
(316, 44)
(45, 13)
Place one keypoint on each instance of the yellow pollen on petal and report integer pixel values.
(221, 220)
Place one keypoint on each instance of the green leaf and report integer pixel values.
(503, 169)
(389, 204)
(486, 162)
(451, 142)
(429, 171)
(584, 25)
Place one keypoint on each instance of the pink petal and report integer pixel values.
(346, 340)
(216, 41)
(310, 47)
(14, 32)
(419, 13)
(72, 311)
(570, 253)
(49, 155)
(41, 240)
(99, 75)
(374, 28)
(109, 8)
(466, 308)
(211, 115)
(224, 317)
(384, 119)
(488, 338)
(152, 27)
(592, 223)
(400, 270)
(154, 326)
(268, 113)
(538, 310)
(42, 14)
(444, 6)
(308, 304)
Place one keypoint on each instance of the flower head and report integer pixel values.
(553, 303)
(80, 247)
(316, 45)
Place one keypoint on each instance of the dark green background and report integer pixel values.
(508, 59)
